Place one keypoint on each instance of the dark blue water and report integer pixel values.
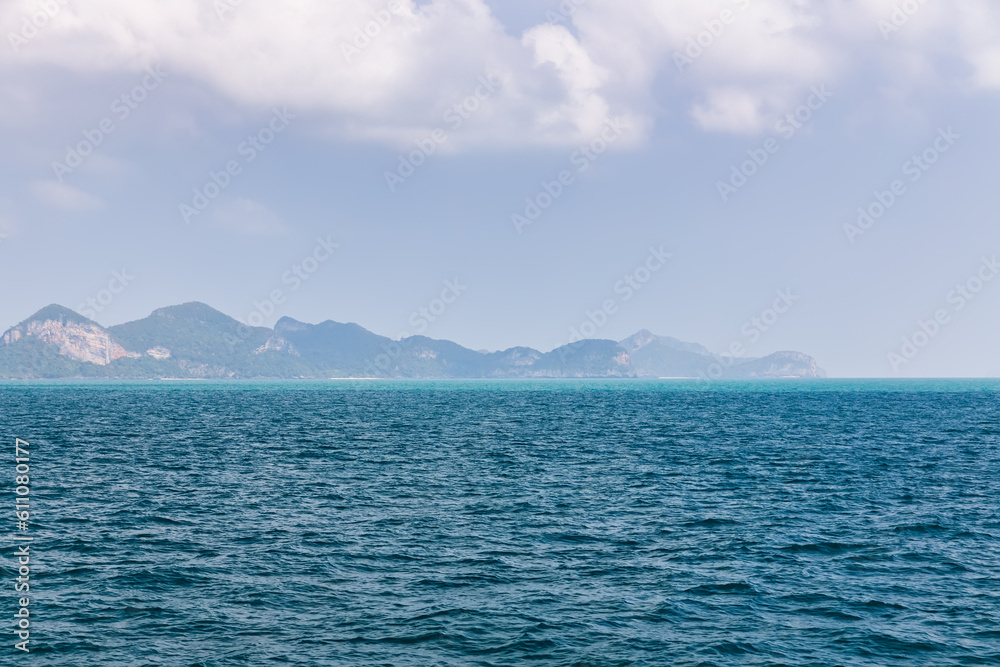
(479, 523)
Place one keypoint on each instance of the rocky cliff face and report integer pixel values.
(77, 340)
(276, 344)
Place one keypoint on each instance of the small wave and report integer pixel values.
(734, 588)
(414, 639)
(826, 548)
(921, 528)
(710, 523)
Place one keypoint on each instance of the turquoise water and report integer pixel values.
(932, 385)
(510, 522)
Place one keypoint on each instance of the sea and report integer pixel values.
(534, 522)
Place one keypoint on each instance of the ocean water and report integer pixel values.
(507, 523)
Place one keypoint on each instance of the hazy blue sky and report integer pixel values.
(616, 97)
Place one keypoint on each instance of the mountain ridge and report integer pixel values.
(195, 340)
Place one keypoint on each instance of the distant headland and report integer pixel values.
(193, 340)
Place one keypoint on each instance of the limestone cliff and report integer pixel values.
(276, 344)
(76, 337)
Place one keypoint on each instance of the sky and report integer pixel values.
(782, 174)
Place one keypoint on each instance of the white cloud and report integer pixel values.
(65, 197)
(248, 217)
(316, 58)
(729, 109)
(394, 84)
(987, 64)
(583, 106)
